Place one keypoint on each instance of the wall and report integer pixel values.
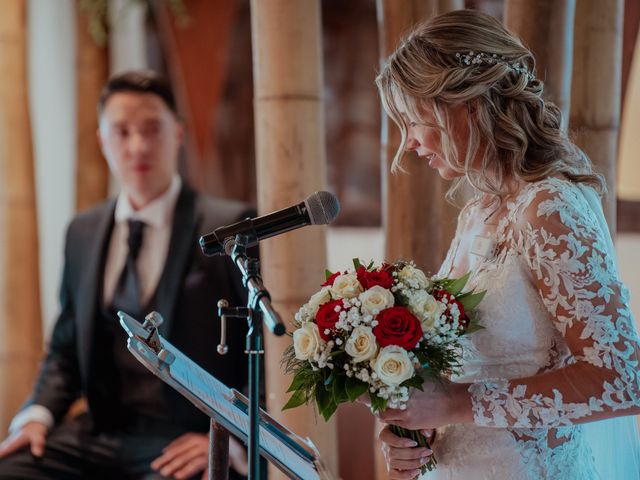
(52, 99)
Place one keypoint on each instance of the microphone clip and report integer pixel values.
(229, 240)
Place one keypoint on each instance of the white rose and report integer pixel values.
(426, 308)
(376, 299)
(307, 341)
(346, 286)
(393, 365)
(362, 344)
(317, 299)
(413, 277)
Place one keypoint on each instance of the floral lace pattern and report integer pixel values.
(557, 331)
(567, 253)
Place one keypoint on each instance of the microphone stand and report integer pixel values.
(258, 307)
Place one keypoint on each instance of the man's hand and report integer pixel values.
(189, 454)
(31, 434)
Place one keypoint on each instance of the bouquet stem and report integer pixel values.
(421, 440)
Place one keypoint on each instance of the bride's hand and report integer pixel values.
(434, 407)
(402, 457)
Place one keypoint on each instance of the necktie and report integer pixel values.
(126, 296)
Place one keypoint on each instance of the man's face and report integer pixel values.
(140, 137)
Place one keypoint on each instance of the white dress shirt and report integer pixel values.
(158, 218)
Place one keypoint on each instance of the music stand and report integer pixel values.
(228, 409)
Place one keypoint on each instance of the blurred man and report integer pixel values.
(136, 253)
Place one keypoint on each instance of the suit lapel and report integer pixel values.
(88, 297)
(181, 247)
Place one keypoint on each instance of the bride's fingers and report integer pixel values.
(404, 465)
(392, 415)
(393, 453)
(390, 438)
(403, 474)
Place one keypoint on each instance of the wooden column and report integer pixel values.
(92, 67)
(546, 27)
(418, 222)
(20, 322)
(290, 158)
(595, 91)
(628, 167)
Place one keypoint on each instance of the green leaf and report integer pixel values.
(377, 404)
(356, 263)
(323, 397)
(329, 411)
(456, 286)
(297, 399)
(324, 400)
(474, 326)
(327, 274)
(441, 283)
(416, 382)
(471, 300)
(355, 388)
(298, 380)
(339, 390)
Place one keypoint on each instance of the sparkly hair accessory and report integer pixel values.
(474, 58)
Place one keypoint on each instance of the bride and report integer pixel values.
(549, 385)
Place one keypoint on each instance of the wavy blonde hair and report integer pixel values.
(512, 130)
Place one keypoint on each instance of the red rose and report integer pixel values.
(398, 326)
(377, 277)
(327, 317)
(442, 295)
(331, 279)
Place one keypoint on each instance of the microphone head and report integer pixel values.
(323, 207)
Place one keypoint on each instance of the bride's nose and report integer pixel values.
(411, 144)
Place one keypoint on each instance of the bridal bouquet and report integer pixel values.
(377, 330)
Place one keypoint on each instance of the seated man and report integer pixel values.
(136, 253)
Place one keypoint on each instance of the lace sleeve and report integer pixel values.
(574, 271)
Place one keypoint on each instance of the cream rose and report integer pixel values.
(346, 286)
(393, 365)
(317, 299)
(414, 277)
(426, 308)
(376, 299)
(307, 341)
(361, 345)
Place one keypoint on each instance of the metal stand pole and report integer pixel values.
(218, 452)
(258, 309)
(254, 349)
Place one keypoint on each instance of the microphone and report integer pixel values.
(320, 208)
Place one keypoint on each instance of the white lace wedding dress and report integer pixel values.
(558, 348)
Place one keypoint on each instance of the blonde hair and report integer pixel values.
(514, 132)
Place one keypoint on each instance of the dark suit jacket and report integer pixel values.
(189, 288)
